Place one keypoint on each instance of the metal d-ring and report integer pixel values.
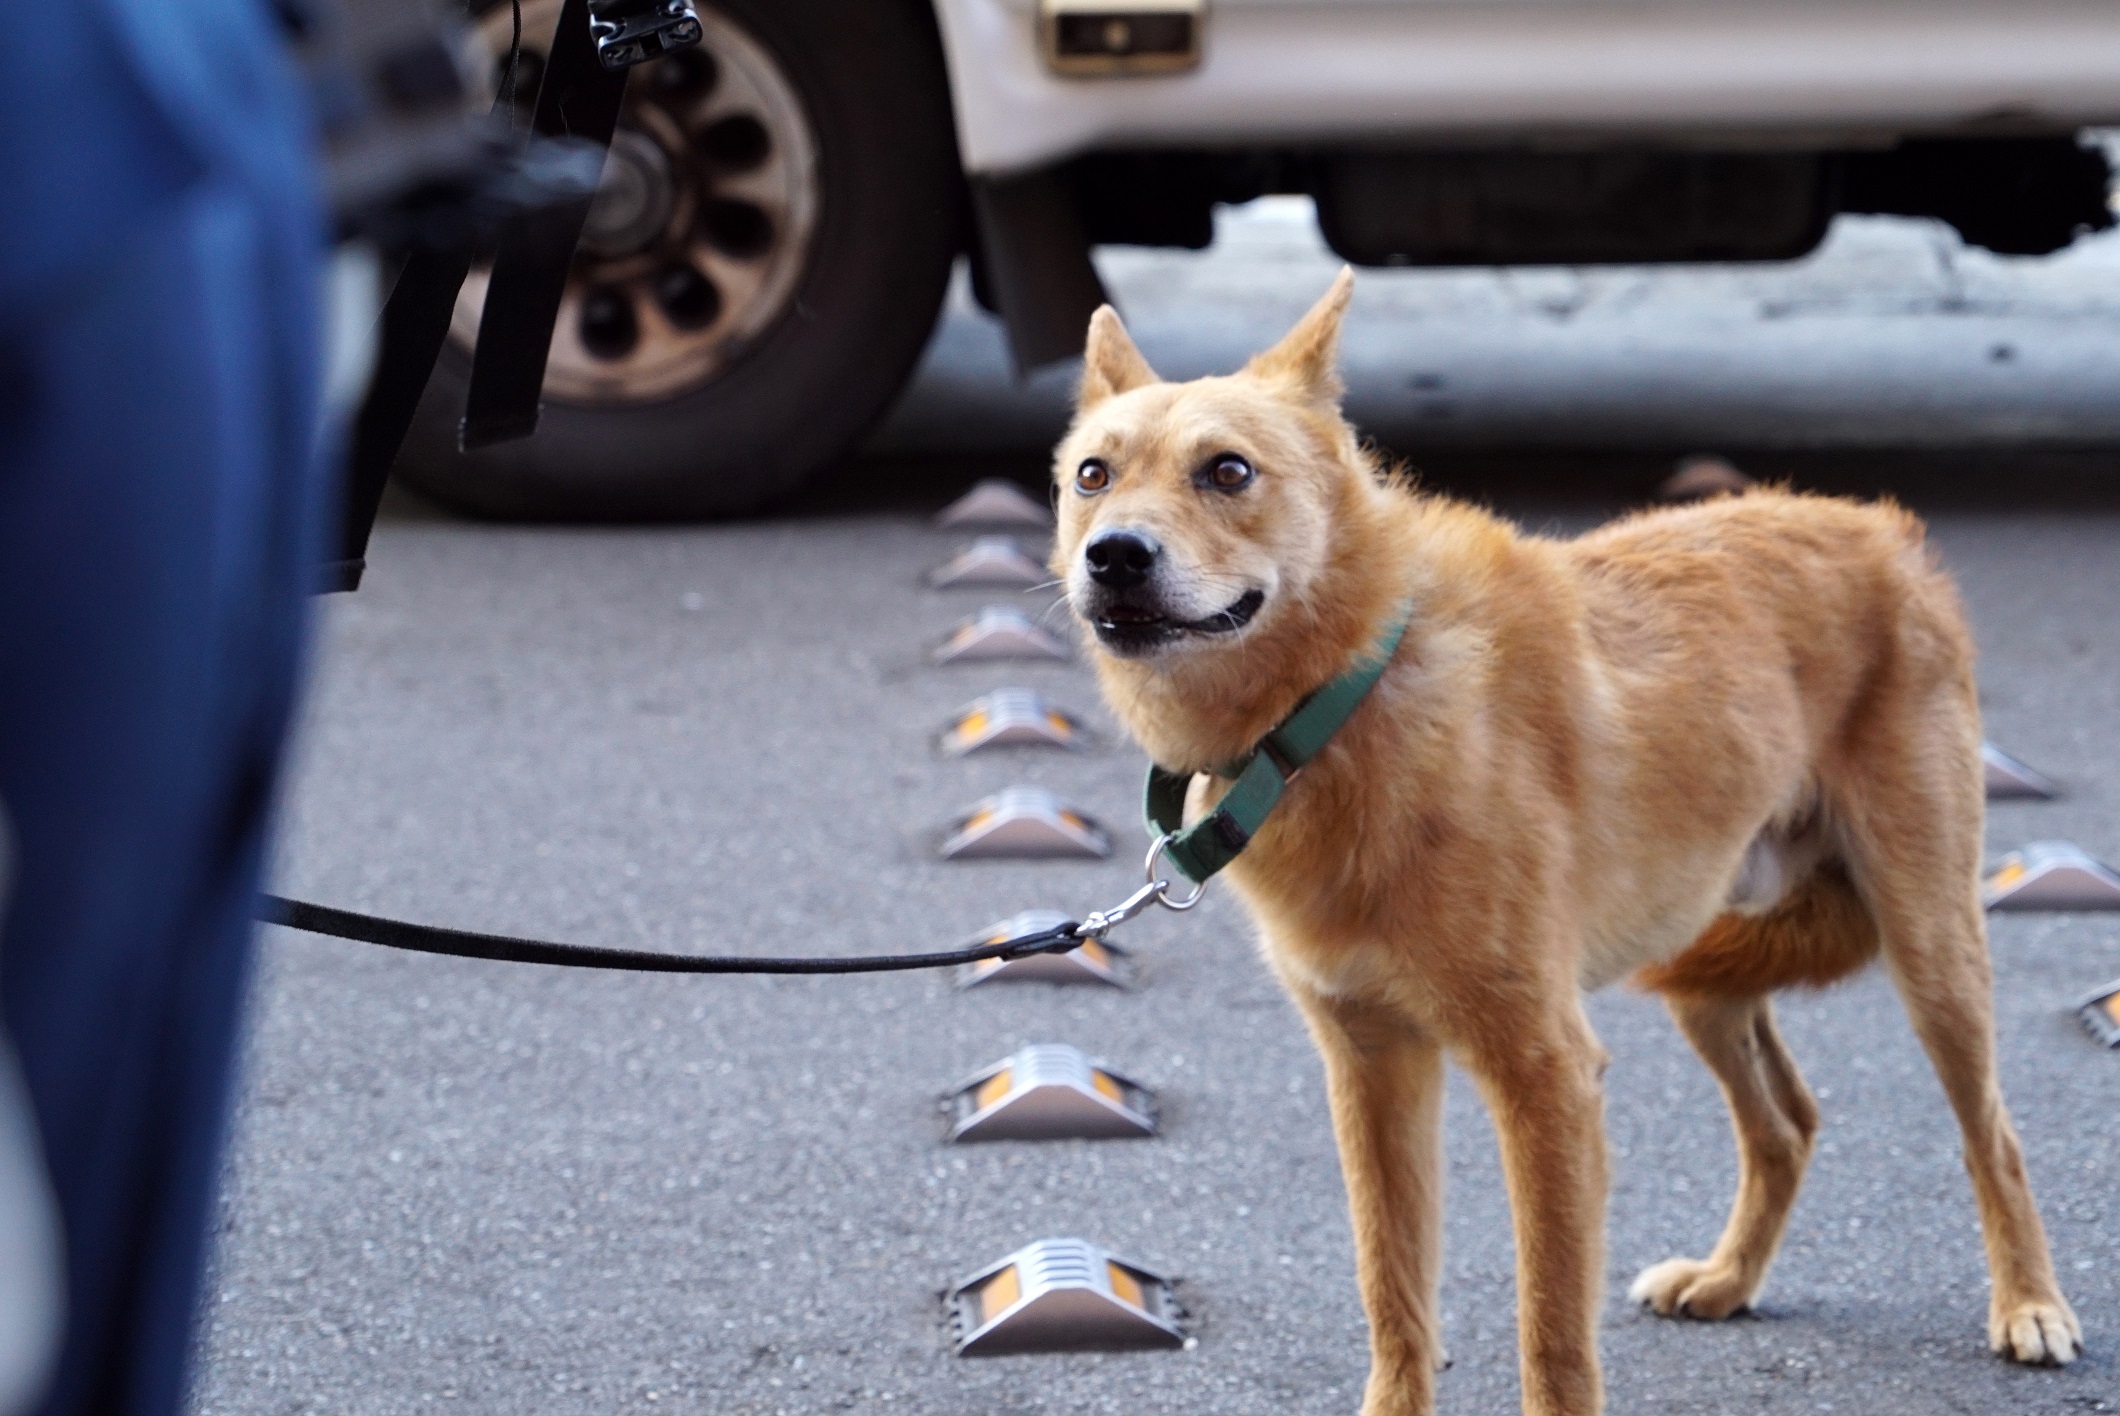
(1163, 895)
(1155, 892)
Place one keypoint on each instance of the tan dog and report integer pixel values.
(1726, 748)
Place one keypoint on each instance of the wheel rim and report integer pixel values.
(700, 228)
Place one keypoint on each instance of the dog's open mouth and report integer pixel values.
(1136, 627)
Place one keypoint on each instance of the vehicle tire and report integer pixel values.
(747, 322)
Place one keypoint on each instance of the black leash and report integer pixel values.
(500, 948)
(466, 944)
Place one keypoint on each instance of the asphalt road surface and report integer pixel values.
(505, 1189)
(1892, 334)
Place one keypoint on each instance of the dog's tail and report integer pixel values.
(1819, 934)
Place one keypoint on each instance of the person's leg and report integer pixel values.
(161, 514)
(29, 1223)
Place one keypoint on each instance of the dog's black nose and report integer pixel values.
(1120, 560)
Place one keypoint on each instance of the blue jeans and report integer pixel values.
(162, 509)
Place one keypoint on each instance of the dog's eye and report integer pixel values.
(1092, 477)
(1229, 473)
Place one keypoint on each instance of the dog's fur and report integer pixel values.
(1723, 749)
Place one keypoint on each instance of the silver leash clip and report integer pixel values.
(1156, 891)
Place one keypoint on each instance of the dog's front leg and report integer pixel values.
(1540, 1070)
(1385, 1075)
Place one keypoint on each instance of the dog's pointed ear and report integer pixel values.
(1111, 365)
(1306, 361)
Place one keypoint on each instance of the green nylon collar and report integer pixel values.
(1216, 839)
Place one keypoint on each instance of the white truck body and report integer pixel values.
(1784, 73)
(782, 209)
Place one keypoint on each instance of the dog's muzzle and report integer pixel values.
(1128, 627)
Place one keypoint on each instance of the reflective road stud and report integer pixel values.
(990, 560)
(2010, 780)
(1011, 717)
(1048, 1092)
(999, 632)
(2051, 875)
(995, 502)
(1093, 962)
(1064, 1295)
(1024, 823)
(2100, 1014)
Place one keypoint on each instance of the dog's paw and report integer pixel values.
(1689, 1288)
(2044, 1334)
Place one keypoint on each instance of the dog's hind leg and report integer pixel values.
(1937, 952)
(1775, 1118)
(1913, 828)
(1385, 1077)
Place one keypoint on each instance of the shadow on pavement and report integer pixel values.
(1526, 484)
